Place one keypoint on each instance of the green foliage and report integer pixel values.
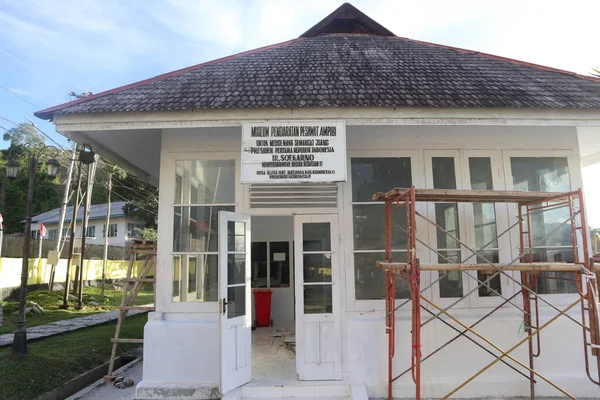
(13, 193)
(54, 361)
(147, 233)
(51, 300)
(23, 133)
(596, 72)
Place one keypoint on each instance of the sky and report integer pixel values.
(51, 47)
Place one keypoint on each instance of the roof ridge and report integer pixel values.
(42, 113)
(501, 58)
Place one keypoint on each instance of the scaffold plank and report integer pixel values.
(527, 267)
(474, 196)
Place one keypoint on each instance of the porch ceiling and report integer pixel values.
(137, 151)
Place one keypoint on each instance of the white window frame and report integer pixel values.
(575, 180)
(165, 253)
(433, 231)
(417, 181)
(502, 223)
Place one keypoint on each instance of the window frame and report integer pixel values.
(165, 252)
(432, 231)
(417, 181)
(90, 227)
(575, 181)
(502, 223)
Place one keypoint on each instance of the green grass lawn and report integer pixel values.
(51, 300)
(54, 361)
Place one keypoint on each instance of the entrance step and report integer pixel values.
(304, 392)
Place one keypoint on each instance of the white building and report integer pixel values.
(121, 227)
(405, 113)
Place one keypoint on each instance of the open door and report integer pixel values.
(318, 314)
(235, 330)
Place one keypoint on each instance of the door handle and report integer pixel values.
(223, 306)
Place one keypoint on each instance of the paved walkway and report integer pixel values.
(67, 325)
(103, 390)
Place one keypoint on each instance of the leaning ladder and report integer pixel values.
(131, 288)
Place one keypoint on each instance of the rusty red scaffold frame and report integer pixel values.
(582, 272)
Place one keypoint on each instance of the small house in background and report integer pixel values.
(267, 162)
(120, 229)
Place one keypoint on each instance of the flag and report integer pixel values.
(1, 220)
(42, 230)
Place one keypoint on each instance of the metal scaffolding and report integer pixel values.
(581, 271)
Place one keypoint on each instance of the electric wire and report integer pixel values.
(35, 71)
(65, 60)
(20, 97)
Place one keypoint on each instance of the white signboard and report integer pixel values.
(293, 152)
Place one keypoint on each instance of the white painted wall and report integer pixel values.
(174, 352)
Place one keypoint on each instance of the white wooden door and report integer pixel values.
(235, 333)
(318, 316)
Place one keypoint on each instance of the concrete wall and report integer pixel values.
(172, 335)
(39, 271)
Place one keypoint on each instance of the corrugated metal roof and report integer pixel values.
(97, 211)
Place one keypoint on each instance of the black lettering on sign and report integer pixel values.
(328, 131)
(259, 131)
(264, 143)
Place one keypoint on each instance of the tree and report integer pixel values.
(596, 72)
(23, 133)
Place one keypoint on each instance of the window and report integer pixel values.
(446, 216)
(35, 233)
(371, 175)
(90, 231)
(484, 215)
(112, 230)
(133, 230)
(271, 271)
(202, 189)
(547, 174)
(52, 234)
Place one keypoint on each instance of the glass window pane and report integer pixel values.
(485, 225)
(544, 174)
(316, 236)
(259, 264)
(485, 291)
(372, 175)
(195, 277)
(317, 299)
(547, 174)
(280, 264)
(451, 282)
(205, 182)
(236, 268)
(446, 216)
(317, 267)
(480, 171)
(369, 233)
(236, 301)
(369, 279)
(444, 174)
(196, 228)
(236, 236)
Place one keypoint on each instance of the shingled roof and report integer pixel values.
(349, 60)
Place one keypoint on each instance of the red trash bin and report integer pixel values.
(262, 305)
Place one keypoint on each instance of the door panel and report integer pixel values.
(318, 315)
(235, 334)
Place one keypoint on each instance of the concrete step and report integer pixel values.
(304, 392)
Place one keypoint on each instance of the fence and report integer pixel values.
(39, 272)
(12, 246)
